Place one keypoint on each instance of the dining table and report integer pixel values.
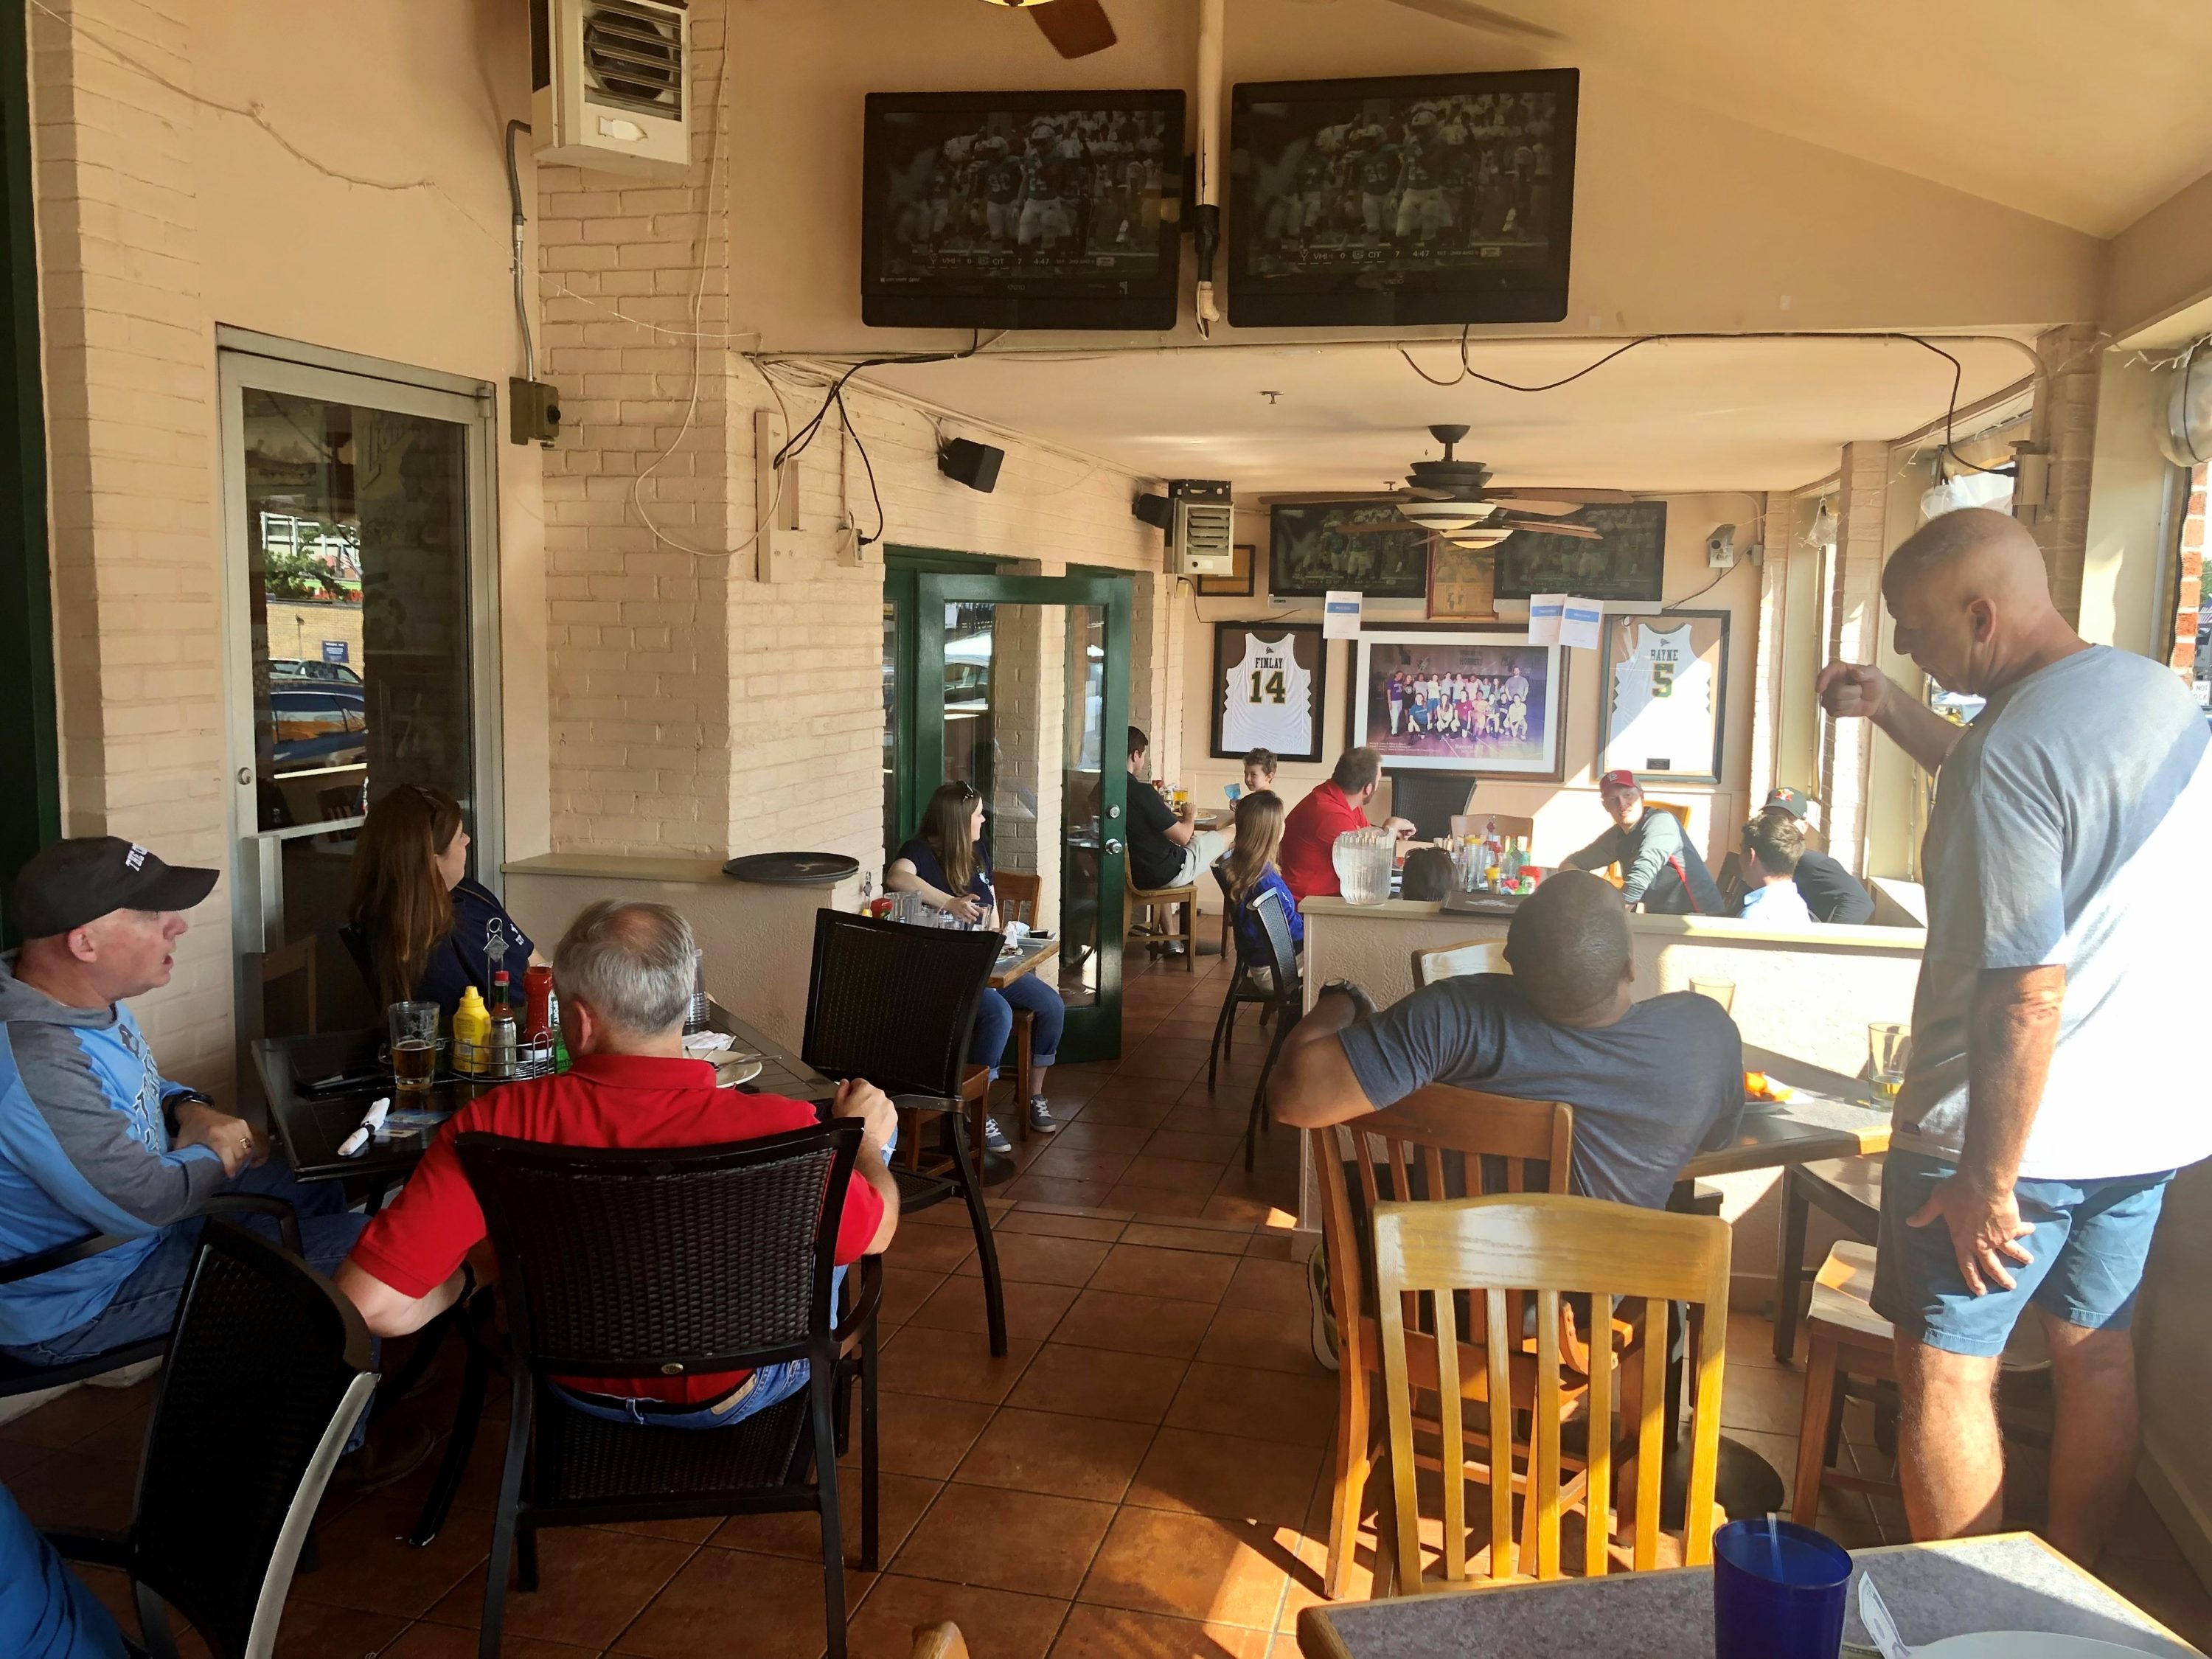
(2008, 1582)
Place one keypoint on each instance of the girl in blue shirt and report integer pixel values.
(1250, 868)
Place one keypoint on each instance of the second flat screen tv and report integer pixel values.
(1022, 209)
(1435, 199)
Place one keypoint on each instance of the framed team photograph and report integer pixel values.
(1463, 583)
(1270, 685)
(1237, 584)
(1664, 696)
(1317, 547)
(1486, 703)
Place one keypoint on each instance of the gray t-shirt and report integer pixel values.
(2070, 827)
(1649, 1092)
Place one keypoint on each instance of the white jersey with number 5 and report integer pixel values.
(1662, 694)
(1265, 699)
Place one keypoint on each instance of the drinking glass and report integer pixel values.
(1777, 1591)
(1721, 991)
(1889, 1049)
(1180, 795)
(695, 1018)
(414, 1030)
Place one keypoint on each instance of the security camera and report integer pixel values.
(1720, 548)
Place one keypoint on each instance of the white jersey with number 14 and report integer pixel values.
(1267, 698)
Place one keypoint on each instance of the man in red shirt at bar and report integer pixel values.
(623, 970)
(1309, 832)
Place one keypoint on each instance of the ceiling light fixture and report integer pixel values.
(1478, 536)
(1447, 516)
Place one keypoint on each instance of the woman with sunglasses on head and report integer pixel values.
(427, 929)
(947, 865)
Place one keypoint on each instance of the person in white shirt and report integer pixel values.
(1772, 844)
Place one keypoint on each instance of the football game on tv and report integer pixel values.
(1427, 199)
(1012, 209)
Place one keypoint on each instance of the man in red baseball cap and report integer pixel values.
(1659, 867)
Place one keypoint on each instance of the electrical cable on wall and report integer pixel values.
(514, 196)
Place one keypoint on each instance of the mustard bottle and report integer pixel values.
(472, 1033)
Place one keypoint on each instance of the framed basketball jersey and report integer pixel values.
(1665, 687)
(1269, 688)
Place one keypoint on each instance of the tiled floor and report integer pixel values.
(1143, 1476)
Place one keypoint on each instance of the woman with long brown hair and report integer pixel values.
(427, 929)
(1251, 871)
(947, 864)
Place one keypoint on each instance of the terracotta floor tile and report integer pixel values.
(725, 1602)
(1038, 1259)
(1264, 1283)
(1130, 1388)
(1102, 1136)
(18, 1457)
(1135, 1324)
(1032, 1311)
(1071, 1162)
(1002, 1540)
(1231, 1090)
(1277, 1243)
(1751, 1340)
(1062, 1226)
(76, 1490)
(310, 1632)
(1191, 1566)
(1173, 1175)
(1058, 1455)
(1224, 1207)
(1169, 1062)
(591, 1585)
(1157, 1203)
(924, 1436)
(904, 1290)
(1042, 1189)
(1095, 1632)
(1764, 1398)
(1134, 1105)
(950, 1365)
(1270, 1339)
(1236, 1399)
(452, 1641)
(995, 1624)
(1066, 1089)
(369, 1565)
(1226, 1477)
(1168, 1141)
(1211, 1241)
(931, 1249)
(81, 1412)
(900, 1499)
(1141, 1270)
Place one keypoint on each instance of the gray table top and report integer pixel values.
(2014, 1582)
(1824, 1117)
(782, 1072)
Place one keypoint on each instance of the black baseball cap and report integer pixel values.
(71, 883)
(1791, 801)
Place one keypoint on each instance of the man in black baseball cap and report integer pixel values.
(1831, 892)
(71, 882)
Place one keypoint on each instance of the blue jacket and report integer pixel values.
(1251, 936)
(84, 1149)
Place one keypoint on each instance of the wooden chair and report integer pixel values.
(1847, 1189)
(1554, 1246)
(1152, 930)
(1480, 956)
(1019, 895)
(1492, 1140)
(939, 1642)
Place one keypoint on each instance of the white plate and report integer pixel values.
(731, 1072)
(2025, 1644)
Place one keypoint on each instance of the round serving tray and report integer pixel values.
(793, 869)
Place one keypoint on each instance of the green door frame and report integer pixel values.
(30, 758)
(902, 568)
(1093, 1033)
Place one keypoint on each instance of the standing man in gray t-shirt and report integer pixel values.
(2035, 1134)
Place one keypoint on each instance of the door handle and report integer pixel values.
(1115, 848)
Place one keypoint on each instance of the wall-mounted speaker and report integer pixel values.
(974, 465)
(1157, 510)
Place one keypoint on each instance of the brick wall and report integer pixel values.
(2064, 423)
(130, 448)
(1778, 515)
(2190, 599)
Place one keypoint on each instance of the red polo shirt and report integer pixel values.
(604, 1100)
(1309, 833)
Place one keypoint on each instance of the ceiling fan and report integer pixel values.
(1079, 27)
(1455, 498)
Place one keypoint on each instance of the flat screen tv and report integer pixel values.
(1311, 550)
(1629, 565)
(1022, 209)
(1434, 198)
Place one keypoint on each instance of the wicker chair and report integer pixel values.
(668, 1261)
(263, 1343)
(895, 1004)
(1287, 999)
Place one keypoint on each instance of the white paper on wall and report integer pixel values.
(1544, 610)
(1340, 614)
(1581, 622)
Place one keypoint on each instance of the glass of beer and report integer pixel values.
(1721, 991)
(414, 1027)
(1889, 1049)
(1180, 794)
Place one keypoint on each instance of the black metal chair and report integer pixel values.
(261, 1342)
(896, 1004)
(671, 1262)
(1243, 990)
(20, 1377)
(1288, 1002)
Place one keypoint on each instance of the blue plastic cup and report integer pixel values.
(1777, 1591)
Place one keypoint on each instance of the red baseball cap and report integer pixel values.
(1618, 781)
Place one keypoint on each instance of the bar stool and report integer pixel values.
(1152, 931)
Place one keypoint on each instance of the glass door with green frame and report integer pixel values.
(1022, 689)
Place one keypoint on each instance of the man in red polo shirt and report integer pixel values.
(625, 973)
(1309, 832)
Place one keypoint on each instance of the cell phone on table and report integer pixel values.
(341, 1083)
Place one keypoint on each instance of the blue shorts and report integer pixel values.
(2090, 1241)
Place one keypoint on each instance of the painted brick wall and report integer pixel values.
(1777, 515)
(2065, 423)
(2186, 660)
(130, 426)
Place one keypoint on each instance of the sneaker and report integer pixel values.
(1323, 1334)
(1041, 1118)
(994, 1139)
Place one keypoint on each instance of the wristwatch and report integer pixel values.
(1360, 999)
(177, 1097)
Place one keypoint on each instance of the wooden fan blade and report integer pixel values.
(1520, 505)
(1528, 497)
(1397, 529)
(1482, 17)
(1076, 28)
(1349, 497)
(1540, 527)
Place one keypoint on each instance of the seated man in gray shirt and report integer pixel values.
(1652, 1083)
